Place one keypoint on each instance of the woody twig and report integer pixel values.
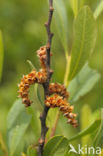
(43, 116)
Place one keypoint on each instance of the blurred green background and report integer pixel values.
(22, 25)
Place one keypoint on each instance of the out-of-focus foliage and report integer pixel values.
(31, 151)
(57, 145)
(84, 40)
(83, 83)
(99, 9)
(17, 123)
(62, 25)
(22, 26)
(1, 55)
(99, 137)
(94, 126)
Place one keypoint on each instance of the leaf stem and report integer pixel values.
(67, 70)
(66, 84)
(55, 125)
(74, 4)
(3, 146)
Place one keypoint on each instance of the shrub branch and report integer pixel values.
(43, 115)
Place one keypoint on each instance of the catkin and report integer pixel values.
(63, 105)
(41, 53)
(58, 95)
(58, 89)
(26, 81)
(33, 77)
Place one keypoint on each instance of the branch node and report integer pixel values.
(51, 8)
(46, 24)
(48, 46)
(41, 116)
(52, 34)
(41, 141)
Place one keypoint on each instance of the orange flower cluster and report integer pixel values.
(65, 108)
(41, 53)
(33, 77)
(58, 89)
(59, 99)
(26, 81)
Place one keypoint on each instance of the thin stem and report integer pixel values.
(43, 116)
(3, 146)
(67, 71)
(55, 125)
(66, 84)
(74, 4)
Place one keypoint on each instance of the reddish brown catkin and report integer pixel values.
(27, 80)
(33, 77)
(41, 53)
(65, 108)
(58, 89)
(59, 99)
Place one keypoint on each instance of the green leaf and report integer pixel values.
(14, 112)
(35, 121)
(83, 83)
(17, 122)
(1, 54)
(99, 9)
(61, 23)
(74, 5)
(50, 121)
(84, 40)
(90, 129)
(31, 151)
(56, 146)
(81, 3)
(85, 121)
(98, 141)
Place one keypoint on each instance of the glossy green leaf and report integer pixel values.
(31, 151)
(98, 141)
(17, 123)
(84, 40)
(90, 129)
(1, 54)
(83, 83)
(61, 22)
(56, 146)
(99, 9)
